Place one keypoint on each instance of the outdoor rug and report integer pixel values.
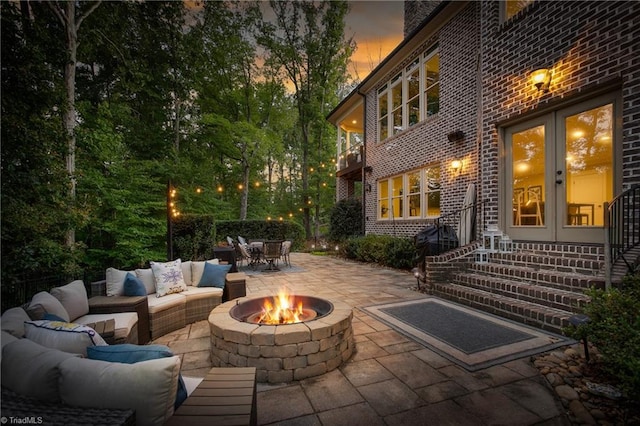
(472, 339)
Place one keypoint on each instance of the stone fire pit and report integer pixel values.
(283, 352)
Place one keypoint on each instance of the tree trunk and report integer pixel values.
(244, 199)
(68, 19)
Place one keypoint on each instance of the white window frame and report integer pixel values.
(403, 78)
(404, 196)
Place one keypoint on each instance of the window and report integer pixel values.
(512, 7)
(413, 195)
(410, 96)
(432, 83)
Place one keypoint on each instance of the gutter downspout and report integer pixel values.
(364, 162)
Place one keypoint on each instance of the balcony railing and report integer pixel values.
(351, 157)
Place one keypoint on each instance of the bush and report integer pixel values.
(384, 250)
(615, 330)
(345, 220)
(193, 237)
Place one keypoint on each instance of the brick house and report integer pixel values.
(458, 103)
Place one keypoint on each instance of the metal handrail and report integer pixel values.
(622, 227)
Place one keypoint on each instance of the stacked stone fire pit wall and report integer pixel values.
(282, 353)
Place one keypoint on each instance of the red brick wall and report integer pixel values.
(426, 143)
(588, 45)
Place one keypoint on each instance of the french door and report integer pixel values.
(560, 170)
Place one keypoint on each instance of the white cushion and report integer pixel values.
(159, 304)
(12, 321)
(196, 293)
(64, 336)
(197, 269)
(73, 297)
(50, 304)
(115, 281)
(168, 277)
(186, 272)
(32, 370)
(148, 387)
(5, 339)
(146, 276)
(124, 322)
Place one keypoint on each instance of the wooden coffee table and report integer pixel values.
(106, 329)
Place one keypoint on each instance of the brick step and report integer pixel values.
(569, 281)
(541, 295)
(593, 252)
(553, 262)
(543, 317)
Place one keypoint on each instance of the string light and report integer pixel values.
(220, 189)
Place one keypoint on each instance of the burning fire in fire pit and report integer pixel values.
(282, 309)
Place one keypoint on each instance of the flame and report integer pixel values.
(282, 309)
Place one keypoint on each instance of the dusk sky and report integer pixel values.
(377, 28)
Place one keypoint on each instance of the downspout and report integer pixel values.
(364, 162)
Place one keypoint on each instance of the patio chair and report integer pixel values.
(241, 240)
(230, 241)
(286, 249)
(245, 255)
(272, 252)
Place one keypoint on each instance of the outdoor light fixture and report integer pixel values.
(541, 78)
(368, 169)
(368, 187)
(418, 275)
(456, 136)
(456, 165)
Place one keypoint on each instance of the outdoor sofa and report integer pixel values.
(172, 308)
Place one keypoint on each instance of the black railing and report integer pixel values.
(622, 226)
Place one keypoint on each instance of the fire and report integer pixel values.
(282, 309)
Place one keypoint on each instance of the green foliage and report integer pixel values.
(345, 220)
(614, 328)
(194, 237)
(384, 250)
(261, 230)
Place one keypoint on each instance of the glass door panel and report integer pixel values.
(589, 165)
(528, 177)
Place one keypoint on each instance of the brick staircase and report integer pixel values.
(538, 284)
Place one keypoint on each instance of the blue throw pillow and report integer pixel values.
(214, 275)
(128, 353)
(133, 286)
(53, 317)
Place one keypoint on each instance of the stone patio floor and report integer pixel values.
(390, 379)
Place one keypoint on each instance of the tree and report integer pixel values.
(307, 43)
(66, 14)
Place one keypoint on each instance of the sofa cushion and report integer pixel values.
(214, 275)
(31, 369)
(124, 322)
(130, 354)
(159, 304)
(12, 321)
(133, 286)
(65, 336)
(168, 277)
(149, 387)
(197, 269)
(186, 272)
(197, 293)
(146, 276)
(73, 297)
(50, 304)
(115, 281)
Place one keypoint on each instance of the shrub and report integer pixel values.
(345, 220)
(193, 237)
(615, 329)
(384, 250)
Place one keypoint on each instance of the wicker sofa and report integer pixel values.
(168, 312)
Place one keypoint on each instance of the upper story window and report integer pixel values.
(413, 195)
(410, 96)
(512, 7)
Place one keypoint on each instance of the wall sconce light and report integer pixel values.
(368, 187)
(368, 169)
(541, 78)
(456, 136)
(456, 165)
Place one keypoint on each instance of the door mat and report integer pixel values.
(472, 339)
